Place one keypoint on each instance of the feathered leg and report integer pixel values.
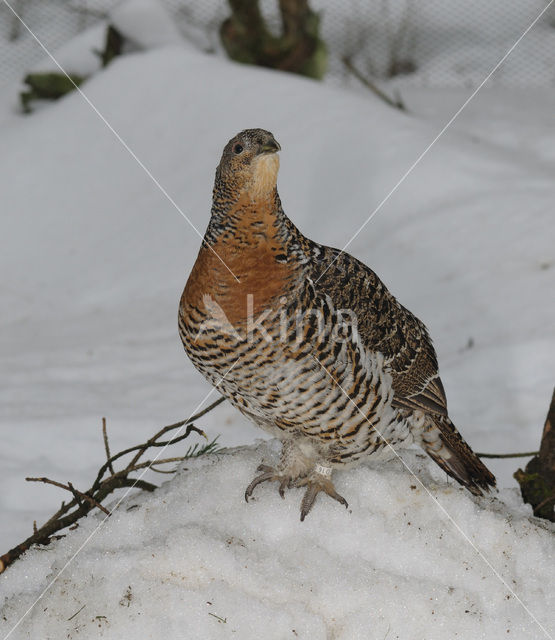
(297, 470)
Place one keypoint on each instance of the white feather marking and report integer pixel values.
(265, 170)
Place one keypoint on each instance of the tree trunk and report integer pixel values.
(537, 481)
(298, 49)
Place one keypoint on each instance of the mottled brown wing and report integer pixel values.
(430, 399)
(385, 326)
(414, 368)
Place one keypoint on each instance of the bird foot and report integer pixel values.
(316, 482)
(269, 474)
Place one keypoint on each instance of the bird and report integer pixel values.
(307, 342)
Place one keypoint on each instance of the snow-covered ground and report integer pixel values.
(195, 561)
(94, 258)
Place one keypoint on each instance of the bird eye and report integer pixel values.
(237, 148)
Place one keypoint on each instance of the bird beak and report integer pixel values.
(271, 146)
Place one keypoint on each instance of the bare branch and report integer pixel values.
(153, 442)
(69, 487)
(83, 502)
(526, 454)
(107, 445)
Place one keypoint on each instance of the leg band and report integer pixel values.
(325, 471)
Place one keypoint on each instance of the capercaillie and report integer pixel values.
(306, 340)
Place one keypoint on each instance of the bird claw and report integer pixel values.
(314, 486)
(314, 483)
(268, 474)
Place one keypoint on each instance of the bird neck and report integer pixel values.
(248, 217)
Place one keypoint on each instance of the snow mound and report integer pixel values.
(79, 55)
(193, 560)
(146, 23)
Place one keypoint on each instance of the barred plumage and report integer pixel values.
(307, 341)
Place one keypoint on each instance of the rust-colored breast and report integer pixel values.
(250, 253)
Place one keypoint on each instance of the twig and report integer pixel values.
(107, 445)
(153, 441)
(526, 454)
(168, 471)
(69, 487)
(75, 494)
(154, 464)
(149, 463)
(218, 618)
(77, 612)
(396, 103)
(141, 448)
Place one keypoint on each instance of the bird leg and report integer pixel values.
(292, 466)
(318, 480)
(315, 481)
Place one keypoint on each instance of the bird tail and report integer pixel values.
(445, 445)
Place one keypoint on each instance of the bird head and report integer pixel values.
(250, 161)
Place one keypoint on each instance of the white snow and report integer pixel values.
(146, 23)
(195, 561)
(94, 258)
(80, 55)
